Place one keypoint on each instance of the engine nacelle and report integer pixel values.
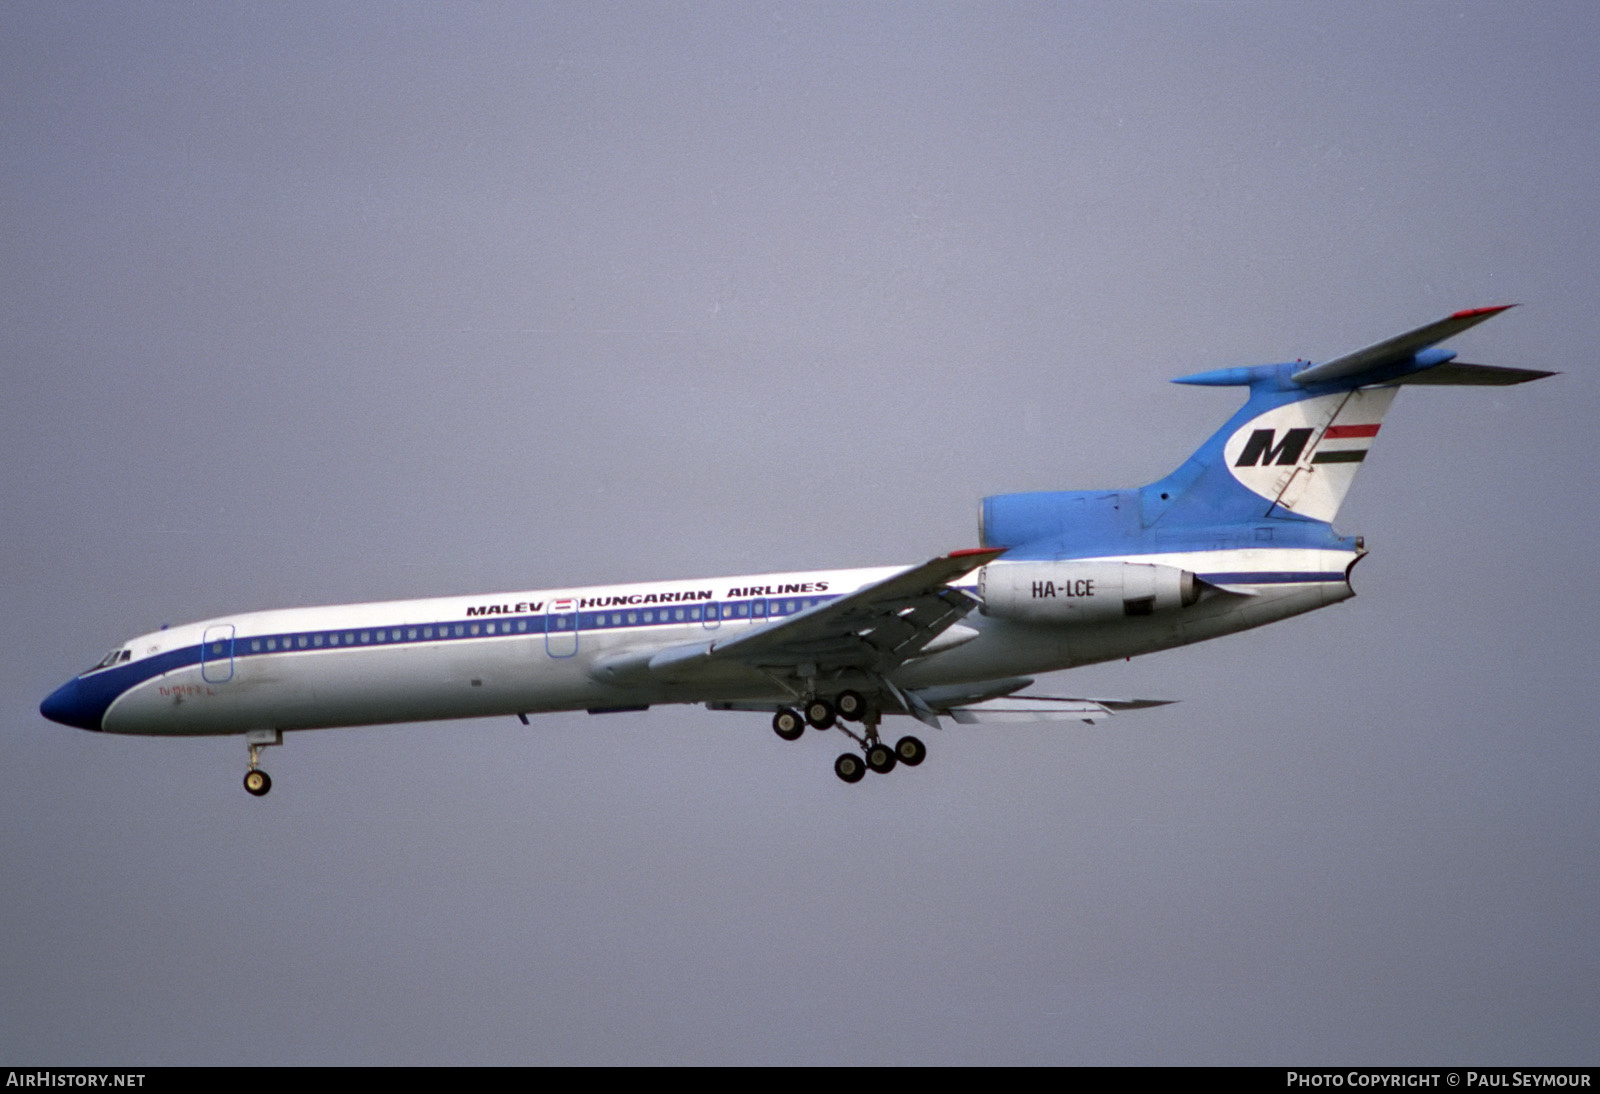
(1083, 592)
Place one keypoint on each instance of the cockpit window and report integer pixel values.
(117, 655)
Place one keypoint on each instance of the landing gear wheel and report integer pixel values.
(850, 705)
(849, 767)
(788, 724)
(257, 782)
(910, 751)
(880, 757)
(819, 712)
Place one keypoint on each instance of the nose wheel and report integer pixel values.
(256, 781)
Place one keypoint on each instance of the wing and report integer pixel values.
(873, 630)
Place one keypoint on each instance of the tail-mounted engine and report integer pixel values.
(1083, 592)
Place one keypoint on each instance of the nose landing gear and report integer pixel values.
(257, 781)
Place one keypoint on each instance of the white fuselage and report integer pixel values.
(547, 650)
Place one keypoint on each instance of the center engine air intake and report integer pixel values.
(1083, 592)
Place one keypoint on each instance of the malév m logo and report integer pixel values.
(1259, 449)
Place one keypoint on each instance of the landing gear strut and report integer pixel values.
(257, 781)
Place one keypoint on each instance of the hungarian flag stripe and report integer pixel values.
(1340, 432)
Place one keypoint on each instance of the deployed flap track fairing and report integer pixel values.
(1240, 535)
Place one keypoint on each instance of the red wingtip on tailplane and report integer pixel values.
(1468, 313)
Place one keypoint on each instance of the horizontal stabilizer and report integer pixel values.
(1474, 375)
(1042, 708)
(1398, 350)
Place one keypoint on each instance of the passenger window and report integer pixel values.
(333, 640)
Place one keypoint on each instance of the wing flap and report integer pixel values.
(1044, 708)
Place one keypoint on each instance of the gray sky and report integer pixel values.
(308, 304)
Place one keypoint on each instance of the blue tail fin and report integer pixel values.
(1288, 455)
(1293, 450)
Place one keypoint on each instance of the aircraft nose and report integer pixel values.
(71, 705)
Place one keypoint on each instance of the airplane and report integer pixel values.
(1238, 536)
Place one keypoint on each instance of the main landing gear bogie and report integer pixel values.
(880, 758)
(824, 712)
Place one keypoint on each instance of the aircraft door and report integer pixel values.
(561, 628)
(216, 654)
(712, 619)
